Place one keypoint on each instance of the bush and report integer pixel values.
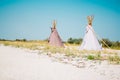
(2, 39)
(111, 44)
(90, 57)
(106, 43)
(70, 40)
(21, 40)
(74, 41)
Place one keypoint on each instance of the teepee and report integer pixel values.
(54, 38)
(90, 41)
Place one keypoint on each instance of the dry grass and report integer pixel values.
(114, 59)
(29, 44)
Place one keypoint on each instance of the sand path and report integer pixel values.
(17, 64)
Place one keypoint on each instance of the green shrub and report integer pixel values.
(90, 57)
(74, 41)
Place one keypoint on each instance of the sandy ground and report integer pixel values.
(18, 64)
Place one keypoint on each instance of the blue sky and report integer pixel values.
(32, 19)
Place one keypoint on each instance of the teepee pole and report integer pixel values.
(90, 19)
(101, 39)
(103, 42)
(54, 24)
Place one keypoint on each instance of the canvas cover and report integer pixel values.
(90, 41)
(55, 39)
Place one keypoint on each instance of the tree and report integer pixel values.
(106, 42)
(116, 44)
(21, 40)
(70, 40)
(74, 41)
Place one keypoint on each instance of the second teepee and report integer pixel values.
(90, 41)
(54, 38)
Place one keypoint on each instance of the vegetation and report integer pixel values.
(105, 43)
(96, 56)
(71, 49)
(111, 44)
(21, 40)
(74, 41)
(90, 57)
(24, 44)
(114, 59)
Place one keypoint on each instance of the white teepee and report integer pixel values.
(90, 41)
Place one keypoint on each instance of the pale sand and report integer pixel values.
(18, 64)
